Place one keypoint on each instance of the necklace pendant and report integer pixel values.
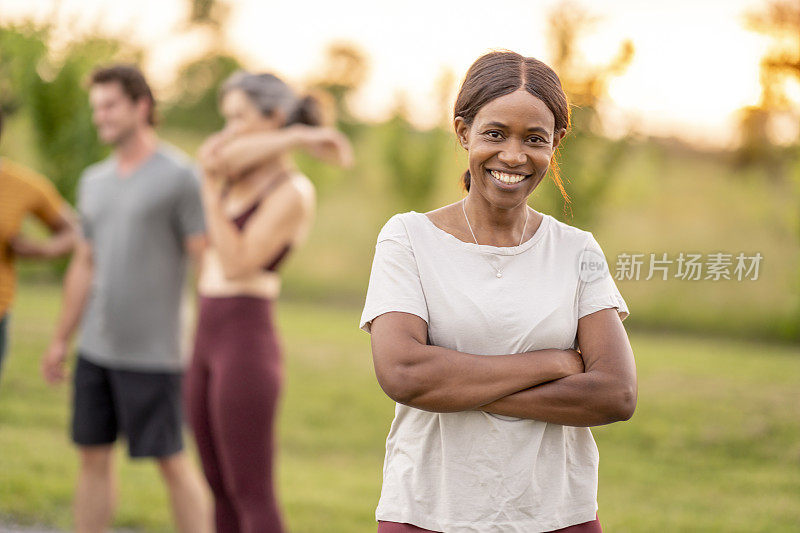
(499, 274)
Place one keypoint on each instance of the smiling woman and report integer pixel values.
(536, 86)
(499, 346)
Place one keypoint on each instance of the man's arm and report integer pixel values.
(433, 378)
(194, 246)
(606, 392)
(77, 285)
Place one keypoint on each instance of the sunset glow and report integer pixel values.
(695, 64)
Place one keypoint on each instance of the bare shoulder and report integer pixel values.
(297, 192)
(303, 188)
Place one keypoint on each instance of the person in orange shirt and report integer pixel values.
(24, 192)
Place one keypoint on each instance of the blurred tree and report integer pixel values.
(194, 106)
(780, 68)
(213, 13)
(344, 70)
(759, 125)
(21, 46)
(587, 159)
(446, 86)
(60, 109)
(413, 158)
(50, 87)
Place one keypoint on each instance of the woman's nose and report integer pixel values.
(512, 155)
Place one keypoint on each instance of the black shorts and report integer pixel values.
(144, 406)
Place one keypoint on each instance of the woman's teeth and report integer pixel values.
(507, 178)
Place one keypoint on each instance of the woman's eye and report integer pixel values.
(536, 140)
(494, 134)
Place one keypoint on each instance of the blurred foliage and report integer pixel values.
(344, 70)
(585, 83)
(212, 13)
(762, 136)
(54, 94)
(587, 159)
(21, 47)
(761, 141)
(195, 104)
(413, 159)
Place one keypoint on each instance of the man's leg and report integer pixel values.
(94, 430)
(152, 418)
(188, 495)
(96, 495)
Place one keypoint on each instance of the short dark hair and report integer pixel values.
(500, 73)
(131, 80)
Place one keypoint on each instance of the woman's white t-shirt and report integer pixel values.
(473, 471)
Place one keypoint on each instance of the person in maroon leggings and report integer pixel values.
(257, 208)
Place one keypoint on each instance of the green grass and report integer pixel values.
(714, 444)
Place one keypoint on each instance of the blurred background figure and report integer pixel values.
(141, 219)
(258, 207)
(24, 192)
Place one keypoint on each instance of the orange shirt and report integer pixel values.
(22, 192)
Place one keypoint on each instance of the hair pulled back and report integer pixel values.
(269, 93)
(500, 73)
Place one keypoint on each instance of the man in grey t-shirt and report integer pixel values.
(138, 226)
(142, 220)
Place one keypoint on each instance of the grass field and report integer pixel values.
(714, 445)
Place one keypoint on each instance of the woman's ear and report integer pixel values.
(558, 136)
(462, 132)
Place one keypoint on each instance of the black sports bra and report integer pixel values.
(241, 221)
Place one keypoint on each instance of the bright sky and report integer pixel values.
(695, 64)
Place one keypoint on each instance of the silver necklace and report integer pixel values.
(524, 227)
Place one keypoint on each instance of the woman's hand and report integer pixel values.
(213, 166)
(53, 362)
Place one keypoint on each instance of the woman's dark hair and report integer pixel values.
(133, 84)
(269, 93)
(497, 74)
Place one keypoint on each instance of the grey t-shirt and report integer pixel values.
(137, 226)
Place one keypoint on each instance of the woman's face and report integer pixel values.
(241, 116)
(510, 143)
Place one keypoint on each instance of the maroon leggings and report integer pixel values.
(395, 527)
(231, 393)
